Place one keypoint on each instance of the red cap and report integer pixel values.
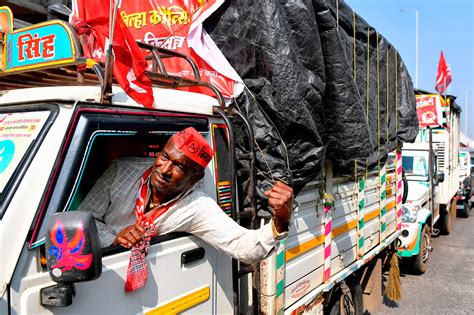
(194, 146)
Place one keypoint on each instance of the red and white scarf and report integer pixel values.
(137, 271)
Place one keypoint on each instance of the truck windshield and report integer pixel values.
(415, 165)
(463, 160)
(18, 132)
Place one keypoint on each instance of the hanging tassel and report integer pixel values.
(393, 290)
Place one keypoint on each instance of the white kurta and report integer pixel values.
(112, 201)
(199, 214)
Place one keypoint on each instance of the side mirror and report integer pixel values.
(59, 11)
(72, 255)
(440, 176)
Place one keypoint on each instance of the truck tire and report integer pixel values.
(348, 303)
(419, 265)
(464, 212)
(466, 203)
(357, 296)
(446, 222)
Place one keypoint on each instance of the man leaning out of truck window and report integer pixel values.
(134, 201)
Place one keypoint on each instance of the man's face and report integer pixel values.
(173, 172)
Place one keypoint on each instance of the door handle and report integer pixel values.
(192, 255)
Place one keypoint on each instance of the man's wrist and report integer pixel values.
(279, 232)
(280, 225)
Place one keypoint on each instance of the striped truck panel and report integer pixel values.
(224, 198)
(280, 277)
(383, 198)
(223, 168)
(399, 192)
(361, 201)
(327, 240)
(304, 253)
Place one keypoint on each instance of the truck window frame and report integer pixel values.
(87, 119)
(30, 153)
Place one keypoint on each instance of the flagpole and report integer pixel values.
(109, 59)
(416, 50)
(467, 111)
(443, 95)
(416, 41)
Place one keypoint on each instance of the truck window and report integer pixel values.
(21, 132)
(420, 166)
(415, 165)
(463, 160)
(407, 164)
(99, 138)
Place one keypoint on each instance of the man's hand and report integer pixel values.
(280, 198)
(130, 236)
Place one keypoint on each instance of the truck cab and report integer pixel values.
(53, 152)
(419, 215)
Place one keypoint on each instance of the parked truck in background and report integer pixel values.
(464, 204)
(63, 124)
(431, 166)
(417, 217)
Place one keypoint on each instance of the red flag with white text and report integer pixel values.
(443, 79)
(428, 110)
(177, 25)
(91, 20)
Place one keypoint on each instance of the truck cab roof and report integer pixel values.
(165, 99)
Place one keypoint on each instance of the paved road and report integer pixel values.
(447, 287)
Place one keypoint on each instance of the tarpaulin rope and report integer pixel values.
(355, 173)
(367, 95)
(381, 170)
(355, 77)
(272, 177)
(361, 186)
(396, 97)
(378, 99)
(360, 182)
(387, 106)
(354, 33)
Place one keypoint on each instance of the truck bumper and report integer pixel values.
(410, 239)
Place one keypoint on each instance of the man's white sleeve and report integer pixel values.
(212, 225)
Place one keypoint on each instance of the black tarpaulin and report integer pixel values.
(320, 84)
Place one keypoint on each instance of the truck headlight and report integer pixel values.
(409, 214)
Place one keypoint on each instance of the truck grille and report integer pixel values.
(441, 154)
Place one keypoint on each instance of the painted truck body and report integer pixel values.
(70, 149)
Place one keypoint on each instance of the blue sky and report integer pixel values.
(443, 25)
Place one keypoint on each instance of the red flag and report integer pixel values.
(178, 25)
(91, 19)
(443, 79)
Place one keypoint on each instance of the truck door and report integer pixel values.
(185, 274)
